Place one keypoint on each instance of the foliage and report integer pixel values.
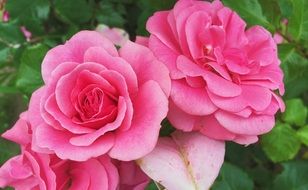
(259, 166)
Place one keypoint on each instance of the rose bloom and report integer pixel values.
(31, 170)
(224, 77)
(97, 100)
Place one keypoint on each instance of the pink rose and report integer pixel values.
(32, 170)
(93, 174)
(97, 100)
(5, 16)
(29, 170)
(131, 176)
(224, 77)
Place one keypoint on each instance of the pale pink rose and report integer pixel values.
(97, 100)
(36, 171)
(26, 33)
(131, 176)
(5, 16)
(118, 36)
(224, 77)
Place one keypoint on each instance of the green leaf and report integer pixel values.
(271, 11)
(29, 75)
(29, 13)
(285, 51)
(148, 7)
(296, 112)
(166, 129)
(286, 8)
(110, 15)
(281, 143)
(293, 177)
(7, 150)
(8, 90)
(295, 69)
(4, 53)
(232, 178)
(23, 8)
(10, 33)
(250, 11)
(302, 133)
(151, 186)
(298, 23)
(73, 11)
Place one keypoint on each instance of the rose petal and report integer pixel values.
(198, 102)
(158, 25)
(180, 119)
(150, 108)
(19, 133)
(146, 66)
(99, 55)
(165, 55)
(58, 141)
(88, 139)
(191, 158)
(254, 125)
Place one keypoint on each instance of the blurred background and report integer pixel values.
(279, 161)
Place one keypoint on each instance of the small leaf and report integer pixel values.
(73, 11)
(250, 11)
(29, 75)
(271, 11)
(184, 161)
(298, 23)
(296, 112)
(10, 33)
(281, 143)
(285, 51)
(7, 150)
(29, 13)
(109, 15)
(286, 8)
(303, 135)
(232, 178)
(294, 176)
(152, 186)
(295, 69)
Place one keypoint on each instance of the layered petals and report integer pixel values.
(224, 77)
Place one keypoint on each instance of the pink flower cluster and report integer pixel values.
(101, 108)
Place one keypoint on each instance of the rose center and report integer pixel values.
(94, 103)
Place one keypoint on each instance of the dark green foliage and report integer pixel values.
(278, 162)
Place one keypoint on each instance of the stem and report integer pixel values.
(297, 46)
(159, 186)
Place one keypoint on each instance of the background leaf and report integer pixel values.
(294, 176)
(298, 23)
(281, 143)
(73, 11)
(250, 11)
(29, 76)
(295, 113)
(232, 178)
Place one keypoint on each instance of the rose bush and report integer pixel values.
(224, 77)
(97, 100)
